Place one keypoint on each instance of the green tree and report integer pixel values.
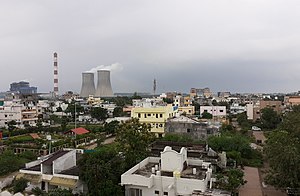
(71, 109)
(206, 115)
(118, 111)
(111, 128)
(133, 140)
(136, 96)
(59, 192)
(243, 121)
(101, 170)
(231, 142)
(231, 180)
(11, 125)
(19, 185)
(99, 113)
(283, 152)
(168, 100)
(269, 118)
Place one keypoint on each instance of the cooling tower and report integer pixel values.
(88, 85)
(103, 84)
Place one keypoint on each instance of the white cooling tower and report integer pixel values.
(103, 84)
(88, 85)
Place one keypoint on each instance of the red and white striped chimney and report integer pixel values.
(55, 75)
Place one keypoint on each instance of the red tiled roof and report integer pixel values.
(79, 131)
(34, 136)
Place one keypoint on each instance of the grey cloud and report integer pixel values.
(244, 46)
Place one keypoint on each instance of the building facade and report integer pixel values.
(154, 114)
(173, 173)
(57, 170)
(215, 111)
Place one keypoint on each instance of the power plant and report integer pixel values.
(88, 85)
(103, 84)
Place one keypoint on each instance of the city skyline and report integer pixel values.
(249, 46)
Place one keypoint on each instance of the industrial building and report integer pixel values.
(22, 88)
(88, 85)
(103, 89)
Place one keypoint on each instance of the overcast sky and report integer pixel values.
(227, 45)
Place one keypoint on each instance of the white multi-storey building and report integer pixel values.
(57, 170)
(173, 173)
(215, 111)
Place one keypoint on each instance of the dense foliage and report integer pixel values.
(231, 180)
(283, 152)
(102, 169)
(99, 113)
(269, 118)
(19, 185)
(133, 139)
(9, 162)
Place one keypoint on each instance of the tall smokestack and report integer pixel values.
(88, 85)
(55, 90)
(103, 84)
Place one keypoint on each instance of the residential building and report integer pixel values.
(173, 173)
(187, 126)
(236, 108)
(57, 170)
(224, 94)
(198, 92)
(215, 111)
(184, 105)
(290, 101)
(275, 105)
(25, 113)
(154, 113)
(254, 108)
(77, 131)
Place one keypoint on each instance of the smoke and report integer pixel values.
(112, 67)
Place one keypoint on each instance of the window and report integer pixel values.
(221, 110)
(160, 115)
(160, 125)
(156, 192)
(135, 192)
(156, 115)
(145, 115)
(139, 115)
(5, 115)
(149, 114)
(165, 193)
(188, 130)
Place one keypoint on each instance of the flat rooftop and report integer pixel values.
(186, 173)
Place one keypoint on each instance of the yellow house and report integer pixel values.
(94, 101)
(155, 116)
(188, 110)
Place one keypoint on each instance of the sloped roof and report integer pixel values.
(183, 119)
(79, 131)
(34, 136)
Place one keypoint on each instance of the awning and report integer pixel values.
(33, 178)
(65, 182)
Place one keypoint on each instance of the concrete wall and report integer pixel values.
(173, 161)
(216, 111)
(65, 162)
